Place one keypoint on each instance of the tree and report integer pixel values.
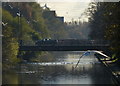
(113, 26)
(105, 24)
(10, 44)
(26, 23)
(55, 26)
(97, 22)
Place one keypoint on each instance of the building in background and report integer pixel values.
(60, 18)
(52, 13)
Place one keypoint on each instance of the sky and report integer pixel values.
(71, 11)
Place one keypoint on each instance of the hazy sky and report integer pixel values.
(70, 10)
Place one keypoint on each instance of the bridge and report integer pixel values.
(66, 45)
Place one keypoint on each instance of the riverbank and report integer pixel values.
(112, 66)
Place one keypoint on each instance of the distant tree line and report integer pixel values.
(77, 30)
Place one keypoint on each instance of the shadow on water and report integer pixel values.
(62, 71)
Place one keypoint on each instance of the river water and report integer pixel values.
(62, 71)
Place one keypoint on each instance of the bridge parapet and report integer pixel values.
(67, 42)
(63, 46)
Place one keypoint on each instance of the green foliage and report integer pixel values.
(10, 44)
(33, 24)
(55, 26)
(37, 20)
(105, 22)
(112, 18)
(7, 18)
(29, 26)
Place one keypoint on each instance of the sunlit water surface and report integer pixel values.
(64, 71)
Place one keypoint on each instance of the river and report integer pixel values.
(62, 71)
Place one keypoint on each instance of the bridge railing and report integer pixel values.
(68, 43)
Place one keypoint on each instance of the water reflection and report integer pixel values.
(10, 77)
(63, 71)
